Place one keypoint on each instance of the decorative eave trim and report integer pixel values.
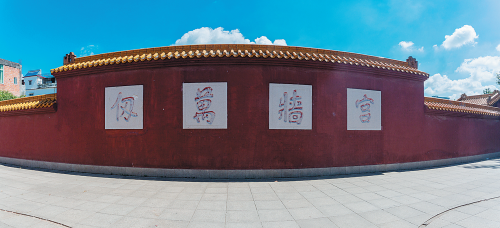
(457, 108)
(235, 51)
(29, 105)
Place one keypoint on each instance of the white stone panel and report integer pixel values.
(123, 107)
(204, 105)
(364, 109)
(290, 106)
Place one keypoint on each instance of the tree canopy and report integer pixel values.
(6, 95)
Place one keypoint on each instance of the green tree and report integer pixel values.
(498, 78)
(487, 91)
(6, 95)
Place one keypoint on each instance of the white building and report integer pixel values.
(37, 84)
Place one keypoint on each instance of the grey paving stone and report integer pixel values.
(177, 214)
(280, 224)
(168, 223)
(305, 213)
(239, 197)
(92, 206)
(404, 211)
(296, 203)
(100, 220)
(157, 202)
(274, 215)
(146, 212)
(334, 210)
(409, 197)
(241, 205)
(214, 197)
(189, 196)
(117, 209)
(316, 223)
(289, 195)
(384, 203)
(427, 207)
(242, 217)
(196, 224)
(212, 205)
(209, 216)
(379, 217)
(243, 225)
(397, 224)
(351, 221)
(269, 205)
(183, 204)
(360, 207)
(132, 222)
(265, 196)
(49, 211)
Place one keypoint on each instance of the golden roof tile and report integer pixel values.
(34, 102)
(458, 106)
(237, 51)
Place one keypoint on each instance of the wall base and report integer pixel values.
(243, 174)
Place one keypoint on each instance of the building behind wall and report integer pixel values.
(10, 77)
(36, 83)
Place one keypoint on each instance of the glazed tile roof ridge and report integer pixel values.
(237, 51)
(25, 103)
(458, 106)
(481, 99)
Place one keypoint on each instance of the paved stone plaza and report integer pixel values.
(44, 198)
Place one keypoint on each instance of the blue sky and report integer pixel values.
(40, 33)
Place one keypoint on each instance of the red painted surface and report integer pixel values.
(76, 134)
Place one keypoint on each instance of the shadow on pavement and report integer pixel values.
(281, 179)
(495, 165)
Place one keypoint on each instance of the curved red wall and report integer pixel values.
(76, 134)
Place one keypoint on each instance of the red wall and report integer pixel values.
(76, 134)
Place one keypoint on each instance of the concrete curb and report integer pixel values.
(244, 174)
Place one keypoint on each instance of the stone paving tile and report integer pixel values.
(275, 215)
(351, 221)
(281, 224)
(391, 199)
(117, 209)
(241, 205)
(269, 205)
(161, 223)
(204, 224)
(183, 204)
(209, 216)
(100, 220)
(305, 213)
(360, 207)
(242, 217)
(397, 224)
(177, 214)
(334, 210)
(243, 225)
(146, 212)
(379, 217)
(316, 223)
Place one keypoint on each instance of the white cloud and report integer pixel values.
(481, 76)
(462, 36)
(408, 46)
(498, 47)
(405, 45)
(441, 85)
(207, 35)
(481, 69)
(89, 50)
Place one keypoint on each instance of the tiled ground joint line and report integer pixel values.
(428, 222)
(35, 217)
